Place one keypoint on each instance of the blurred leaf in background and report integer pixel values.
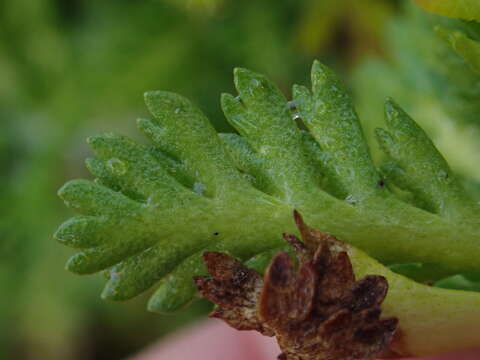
(74, 68)
(462, 9)
(204, 7)
(353, 27)
(431, 81)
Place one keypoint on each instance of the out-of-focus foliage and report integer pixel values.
(462, 9)
(204, 7)
(435, 76)
(436, 85)
(72, 68)
(463, 45)
(358, 29)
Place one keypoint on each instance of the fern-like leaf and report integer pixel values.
(153, 210)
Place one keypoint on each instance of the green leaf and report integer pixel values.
(419, 167)
(417, 271)
(460, 282)
(467, 48)
(462, 9)
(155, 209)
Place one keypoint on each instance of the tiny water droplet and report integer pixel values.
(292, 105)
(263, 149)
(178, 110)
(350, 199)
(442, 174)
(153, 201)
(296, 116)
(113, 274)
(255, 83)
(117, 166)
(198, 187)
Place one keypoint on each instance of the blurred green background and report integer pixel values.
(73, 68)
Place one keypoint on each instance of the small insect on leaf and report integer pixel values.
(316, 310)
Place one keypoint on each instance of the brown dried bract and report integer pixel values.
(316, 311)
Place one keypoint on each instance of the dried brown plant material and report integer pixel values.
(316, 310)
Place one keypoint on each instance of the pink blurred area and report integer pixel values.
(214, 340)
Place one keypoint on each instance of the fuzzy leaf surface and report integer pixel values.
(154, 209)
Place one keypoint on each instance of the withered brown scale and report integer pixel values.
(317, 311)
